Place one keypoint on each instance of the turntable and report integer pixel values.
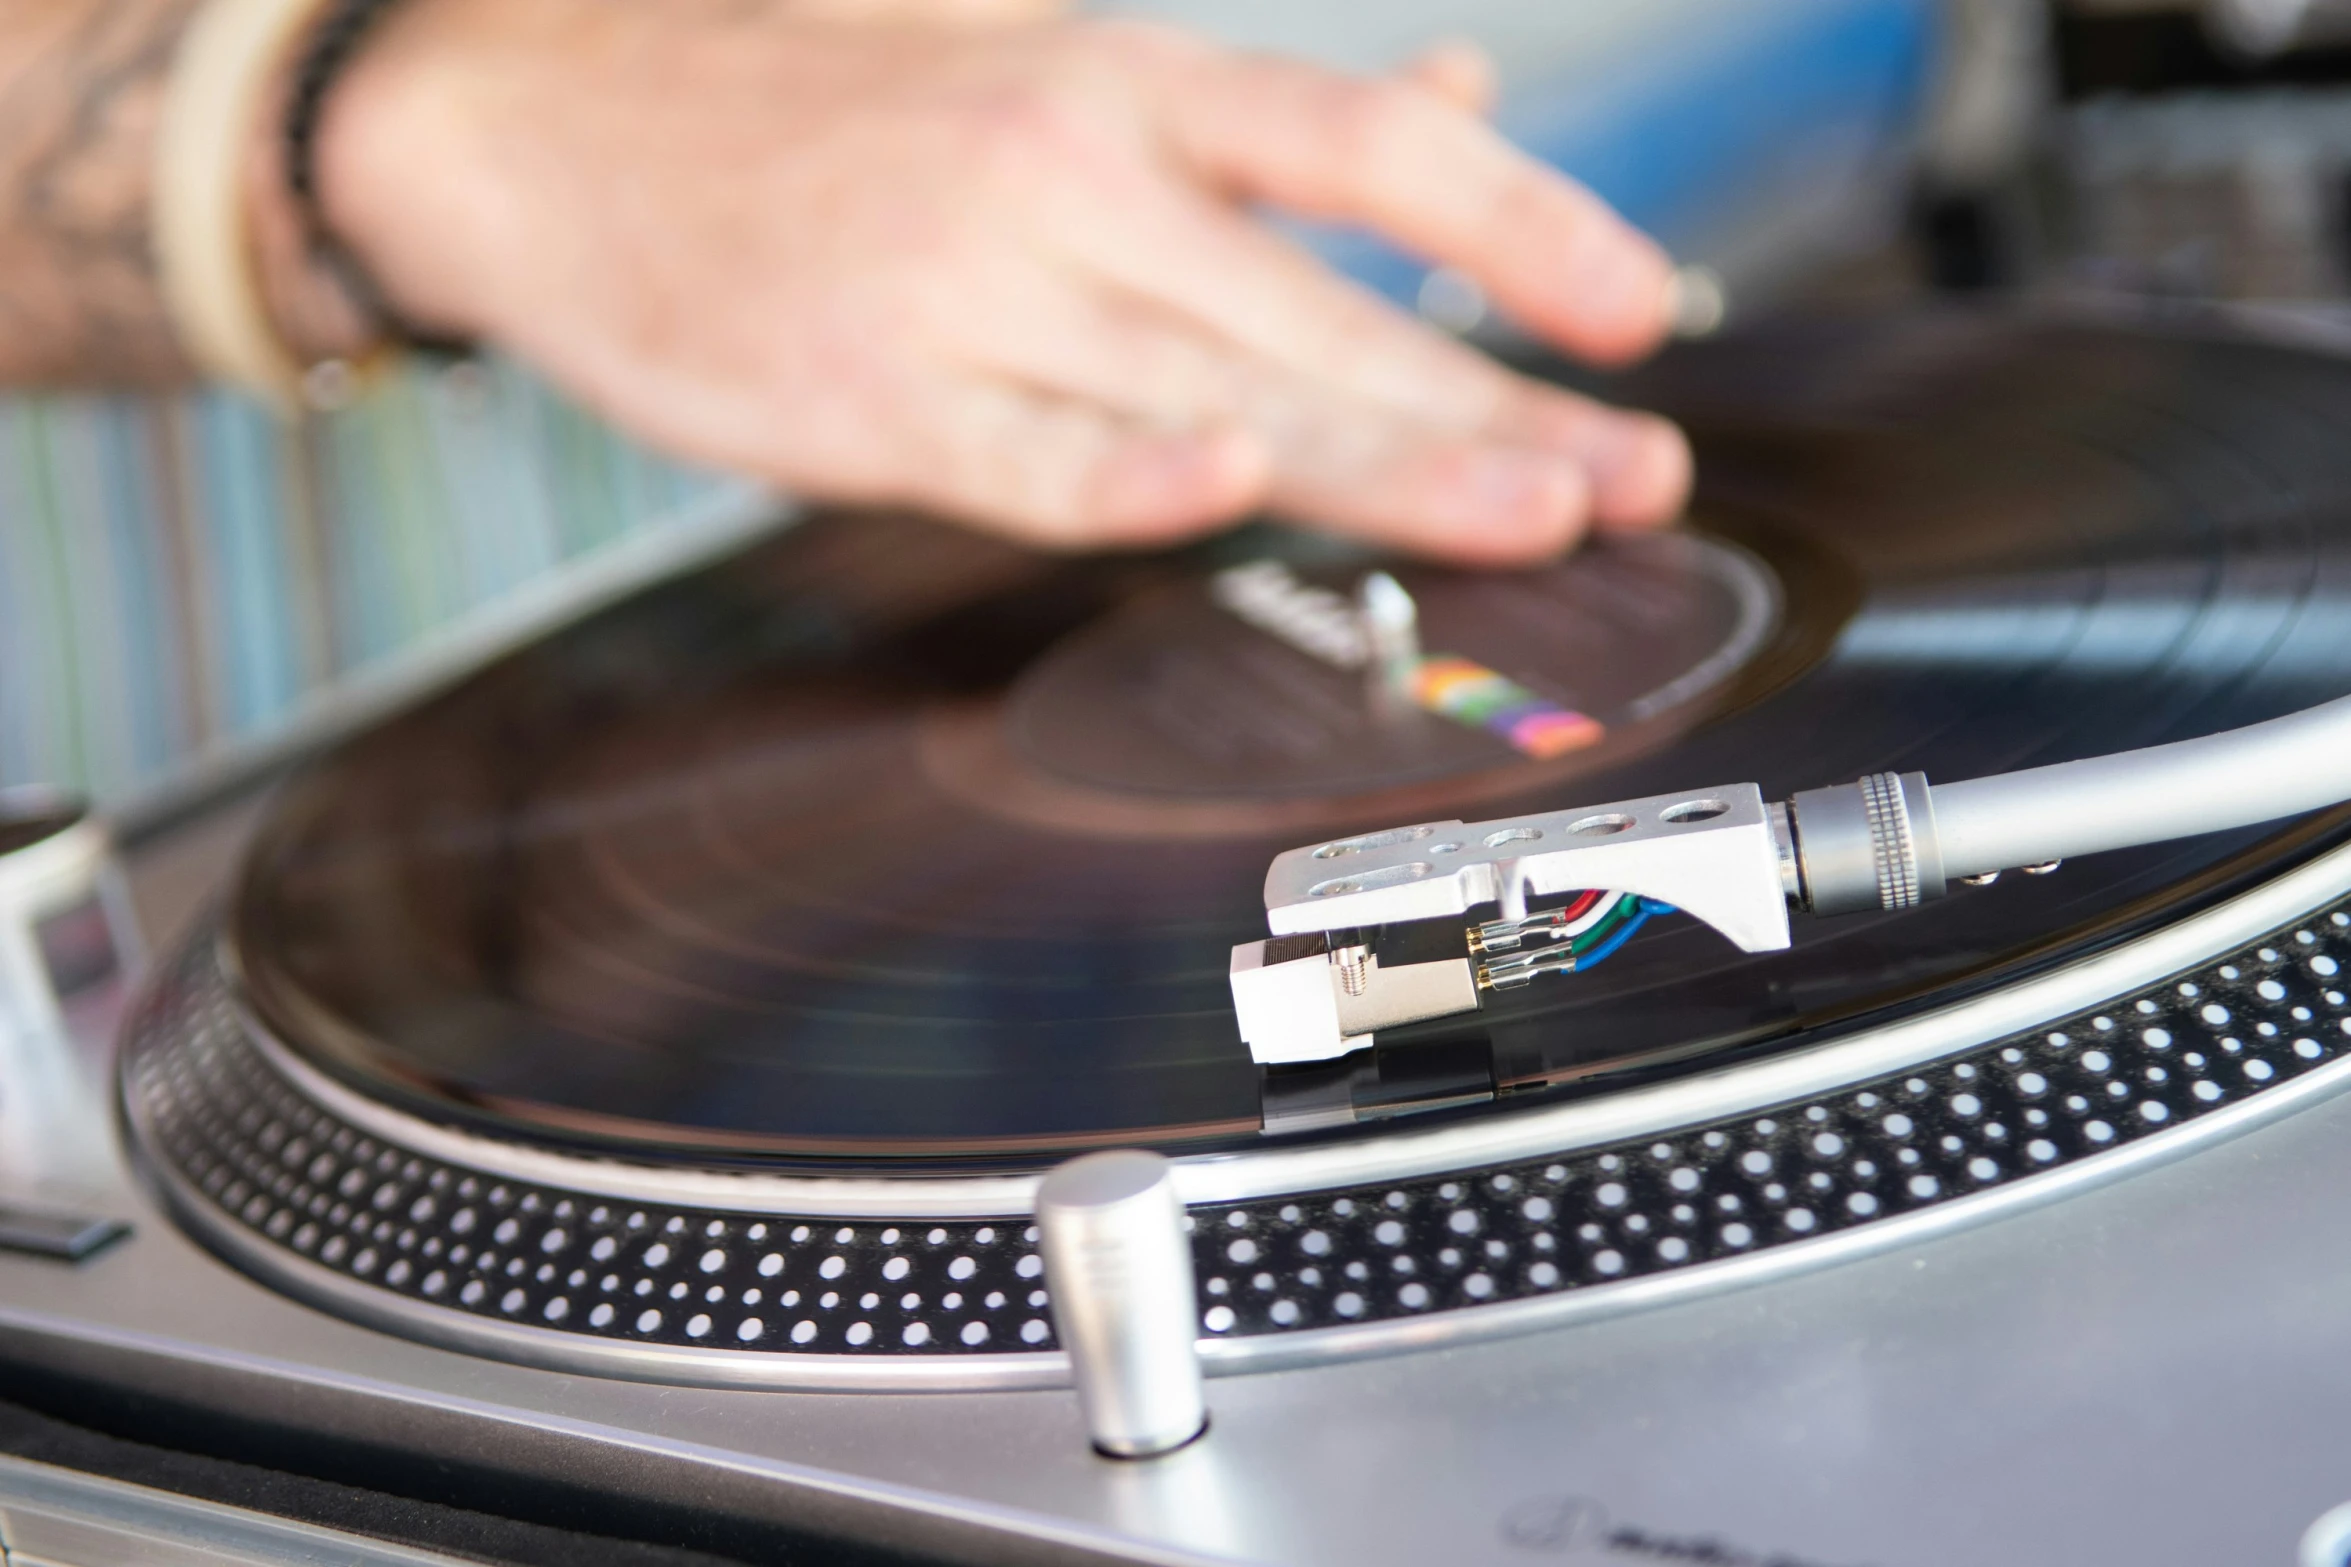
(615, 1091)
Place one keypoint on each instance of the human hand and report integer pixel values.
(934, 13)
(1005, 272)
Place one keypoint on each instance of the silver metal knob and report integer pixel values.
(1118, 1267)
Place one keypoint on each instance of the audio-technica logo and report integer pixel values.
(1565, 1525)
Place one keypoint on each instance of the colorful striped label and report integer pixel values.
(1470, 693)
(1327, 626)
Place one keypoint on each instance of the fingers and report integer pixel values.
(1199, 260)
(1231, 295)
(1066, 475)
(1638, 465)
(1642, 474)
(1090, 418)
(1459, 71)
(1469, 502)
(1519, 489)
(936, 13)
(1407, 162)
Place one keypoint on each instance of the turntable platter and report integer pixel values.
(887, 845)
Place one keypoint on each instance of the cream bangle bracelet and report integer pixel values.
(214, 109)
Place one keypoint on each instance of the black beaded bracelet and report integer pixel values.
(333, 41)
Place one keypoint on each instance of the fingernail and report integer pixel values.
(1624, 279)
(1643, 474)
(1178, 483)
(1639, 466)
(1535, 498)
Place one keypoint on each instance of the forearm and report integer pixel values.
(82, 85)
(81, 89)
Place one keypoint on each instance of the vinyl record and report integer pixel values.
(883, 845)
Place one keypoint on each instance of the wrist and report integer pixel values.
(315, 317)
(391, 170)
(313, 262)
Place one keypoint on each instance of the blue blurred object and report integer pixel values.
(1783, 87)
(1751, 137)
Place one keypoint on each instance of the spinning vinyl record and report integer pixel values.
(884, 845)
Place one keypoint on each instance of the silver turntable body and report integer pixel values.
(2150, 1370)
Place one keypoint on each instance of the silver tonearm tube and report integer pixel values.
(1372, 932)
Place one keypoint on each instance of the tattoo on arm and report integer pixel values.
(81, 91)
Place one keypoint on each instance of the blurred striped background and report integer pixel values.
(178, 575)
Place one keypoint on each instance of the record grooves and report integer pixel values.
(885, 848)
(691, 996)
